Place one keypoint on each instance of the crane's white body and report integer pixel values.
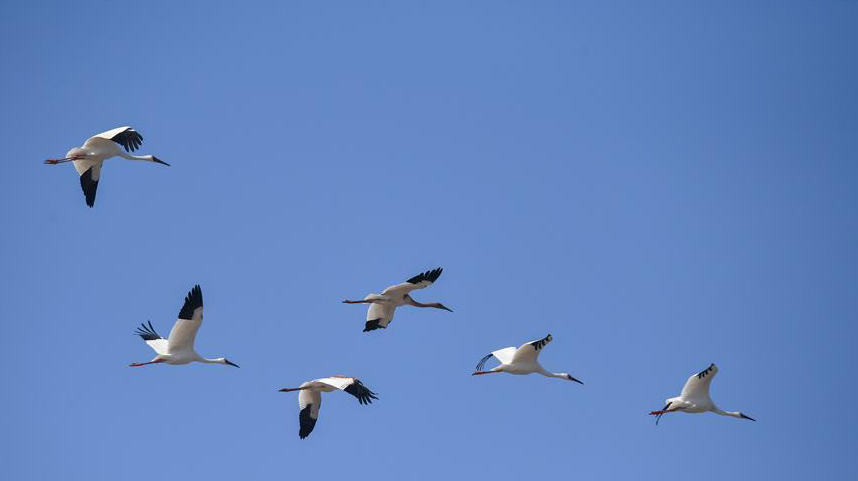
(522, 360)
(178, 348)
(383, 306)
(89, 158)
(695, 397)
(310, 398)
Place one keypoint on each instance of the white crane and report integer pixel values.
(310, 398)
(695, 397)
(88, 158)
(179, 347)
(523, 360)
(382, 306)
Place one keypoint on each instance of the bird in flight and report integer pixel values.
(524, 360)
(179, 347)
(98, 148)
(310, 398)
(695, 397)
(382, 306)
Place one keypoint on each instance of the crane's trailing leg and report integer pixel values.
(138, 364)
(59, 161)
(346, 301)
(477, 373)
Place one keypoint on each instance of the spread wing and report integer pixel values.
(152, 338)
(503, 355)
(309, 402)
(420, 281)
(88, 178)
(697, 385)
(350, 385)
(529, 352)
(378, 316)
(125, 136)
(190, 319)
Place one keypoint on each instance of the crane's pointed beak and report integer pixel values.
(446, 308)
(230, 363)
(156, 159)
(747, 417)
(289, 389)
(573, 379)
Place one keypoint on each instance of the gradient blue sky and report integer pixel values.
(659, 185)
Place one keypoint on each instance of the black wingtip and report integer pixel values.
(88, 186)
(541, 343)
(373, 325)
(482, 363)
(147, 332)
(361, 392)
(430, 275)
(129, 139)
(306, 422)
(193, 300)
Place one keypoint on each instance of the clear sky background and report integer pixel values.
(658, 185)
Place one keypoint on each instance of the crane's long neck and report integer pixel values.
(128, 156)
(415, 303)
(436, 305)
(545, 373)
(734, 414)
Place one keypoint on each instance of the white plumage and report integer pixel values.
(695, 397)
(523, 360)
(310, 398)
(178, 348)
(383, 306)
(89, 158)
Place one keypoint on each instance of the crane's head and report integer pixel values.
(438, 305)
(226, 361)
(152, 158)
(570, 378)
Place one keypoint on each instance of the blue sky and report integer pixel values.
(659, 185)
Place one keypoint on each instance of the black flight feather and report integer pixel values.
(541, 343)
(705, 372)
(373, 325)
(358, 390)
(128, 138)
(482, 363)
(658, 418)
(89, 186)
(147, 332)
(193, 300)
(306, 422)
(430, 276)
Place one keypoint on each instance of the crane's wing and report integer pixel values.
(190, 319)
(309, 401)
(378, 316)
(90, 172)
(127, 137)
(155, 341)
(350, 385)
(503, 355)
(697, 385)
(420, 281)
(529, 351)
